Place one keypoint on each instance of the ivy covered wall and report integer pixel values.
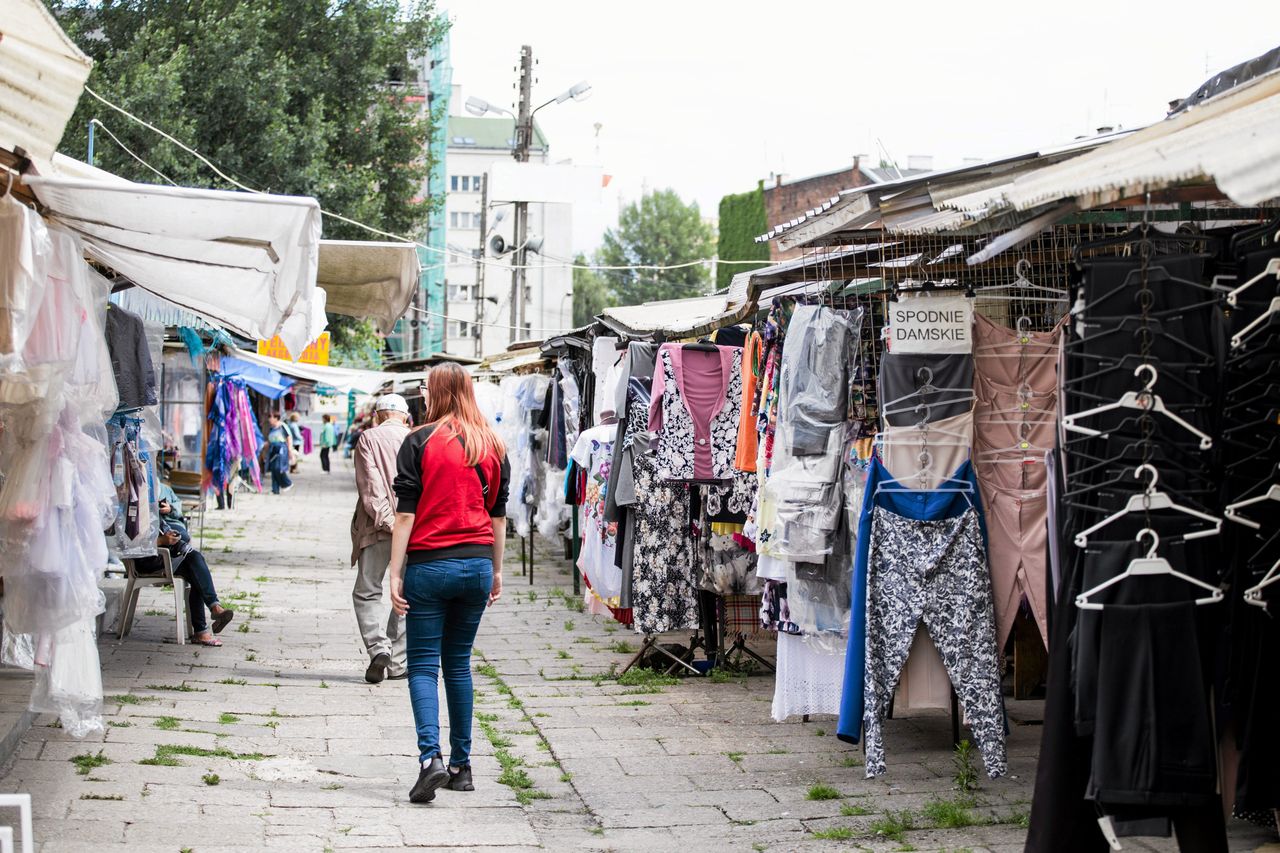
(742, 219)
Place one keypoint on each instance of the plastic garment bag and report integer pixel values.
(137, 522)
(818, 361)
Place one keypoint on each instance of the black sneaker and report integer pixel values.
(378, 667)
(460, 779)
(430, 777)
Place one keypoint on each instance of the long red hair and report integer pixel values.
(451, 402)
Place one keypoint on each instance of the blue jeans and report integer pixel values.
(280, 481)
(446, 600)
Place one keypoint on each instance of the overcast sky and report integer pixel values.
(709, 97)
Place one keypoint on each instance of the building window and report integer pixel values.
(460, 292)
(453, 183)
(459, 329)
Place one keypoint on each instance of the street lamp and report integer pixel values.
(479, 107)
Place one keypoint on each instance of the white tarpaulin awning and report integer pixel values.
(42, 74)
(374, 280)
(247, 261)
(342, 379)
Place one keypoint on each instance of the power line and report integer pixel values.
(503, 326)
(397, 237)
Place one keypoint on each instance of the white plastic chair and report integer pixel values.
(23, 803)
(133, 590)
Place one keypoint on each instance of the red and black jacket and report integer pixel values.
(453, 503)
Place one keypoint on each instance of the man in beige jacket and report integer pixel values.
(375, 458)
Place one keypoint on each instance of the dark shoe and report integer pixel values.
(460, 779)
(378, 667)
(430, 777)
(222, 620)
(398, 677)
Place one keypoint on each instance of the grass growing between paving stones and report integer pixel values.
(894, 825)
(950, 814)
(854, 811)
(88, 761)
(211, 779)
(120, 724)
(112, 797)
(128, 699)
(167, 755)
(834, 833)
(238, 682)
(167, 723)
(822, 792)
(227, 719)
(177, 688)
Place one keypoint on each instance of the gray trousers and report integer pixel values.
(367, 598)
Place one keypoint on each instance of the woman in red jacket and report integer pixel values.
(446, 563)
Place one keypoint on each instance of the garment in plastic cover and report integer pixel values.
(133, 439)
(553, 513)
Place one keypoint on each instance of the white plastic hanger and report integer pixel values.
(927, 387)
(1023, 284)
(1233, 509)
(1026, 451)
(945, 484)
(1149, 565)
(1024, 411)
(1272, 271)
(1145, 400)
(1253, 595)
(1238, 339)
(1152, 499)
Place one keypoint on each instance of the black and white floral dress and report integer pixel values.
(663, 589)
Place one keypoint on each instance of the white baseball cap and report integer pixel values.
(391, 403)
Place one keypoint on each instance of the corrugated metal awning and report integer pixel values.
(42, 74)
(1230, 140)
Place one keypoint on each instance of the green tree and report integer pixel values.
(742, 219)
(288, 96)
(658, 230)
(591, 294)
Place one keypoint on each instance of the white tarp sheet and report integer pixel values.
(246, 261)
(367, 279)
(42, 74)
(342, 379)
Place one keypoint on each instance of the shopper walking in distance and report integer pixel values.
(451, 486)
(277, 453)
(375, 458)
(328, 441)
(295, 439)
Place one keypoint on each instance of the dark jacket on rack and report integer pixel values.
(130, 359)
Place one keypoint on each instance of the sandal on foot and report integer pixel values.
(222, 620)
(209, 641)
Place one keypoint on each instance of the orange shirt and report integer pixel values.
(747, 436)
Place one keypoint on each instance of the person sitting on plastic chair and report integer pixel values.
(191, 566)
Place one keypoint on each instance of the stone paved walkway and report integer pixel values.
(275, 741)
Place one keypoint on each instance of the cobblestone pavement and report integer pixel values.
(276, 742)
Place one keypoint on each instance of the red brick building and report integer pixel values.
(789, 199)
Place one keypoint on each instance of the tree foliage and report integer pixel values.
(591, 294)
(742, 219)
(287, 96)
(657, 230)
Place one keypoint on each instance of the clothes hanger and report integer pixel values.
(1023, 283)
(1233, 509)
(1137, 327)
(925, 374)
(1272, 271)
(1259, 233)
(1239, 338)
(1152, 499)
(1145, 239)
(1136, 451)
(1209, 490)
(954, 486)
(1145, 400)
(1030, 452)
(1253, 595)
(1150, 565)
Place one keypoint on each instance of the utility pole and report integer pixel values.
(479, 285)
(524, 139)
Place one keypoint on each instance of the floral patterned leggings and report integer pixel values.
(935, 571)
